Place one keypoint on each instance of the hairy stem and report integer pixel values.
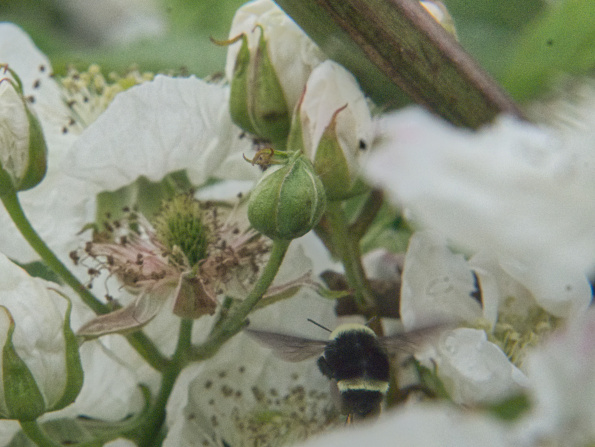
(395, 46)
(347, 248)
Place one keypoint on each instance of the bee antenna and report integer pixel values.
(319, 325)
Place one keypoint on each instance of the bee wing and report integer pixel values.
(288, 347)
(409, 341)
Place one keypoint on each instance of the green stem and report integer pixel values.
(13, 206)
(367, 214)
(151, 427)
(348, 250)
(36, 434)
(237, 316)
(147, 350)
(138, 340)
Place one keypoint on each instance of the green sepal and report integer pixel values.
(23, 397)
(239, 91)
(330, 163)
(86, 432)
(74, 367)
(295, 139)
(267, 105)
(288, 202)
(38, 154)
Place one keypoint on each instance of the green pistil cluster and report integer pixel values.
(181, 227)
(516, 333)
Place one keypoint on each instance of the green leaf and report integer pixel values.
(21, 393)
(184, 47)
(486, 27)
(562, 40)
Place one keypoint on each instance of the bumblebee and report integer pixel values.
(353, 358)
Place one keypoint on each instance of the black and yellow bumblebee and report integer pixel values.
(354, 359)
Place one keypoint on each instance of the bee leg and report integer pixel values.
(349, 420)
(324, 367)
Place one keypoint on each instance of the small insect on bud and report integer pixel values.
(288, 201)
(23, 152)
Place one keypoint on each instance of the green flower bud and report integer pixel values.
(256, 101)
(288, 201)
(267, 69)
(333, 128)
(23, 152)
(41, 368)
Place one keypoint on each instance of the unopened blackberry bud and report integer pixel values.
(41, 366)
(268, 62)
(288, 201)
(23, 152)
(333, 128)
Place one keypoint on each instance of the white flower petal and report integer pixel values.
(473, 369)
(210, 400)
(110, 391)
(421, 426)
(35, 71)
(8, 429)
(511, 189)
(437, 284)
(497, 287)
(58, 209)
(561, 373)
(156, 128)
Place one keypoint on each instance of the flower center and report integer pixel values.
(515, 333)
(180, 226)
